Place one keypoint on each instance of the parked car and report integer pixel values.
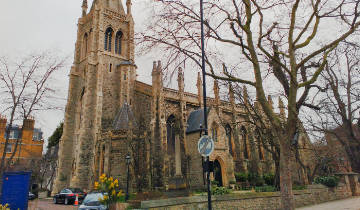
(92, 202)
(68, 196)
(31, 196)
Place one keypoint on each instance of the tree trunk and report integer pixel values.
(354, 158)
(277, 174)
(287, 197)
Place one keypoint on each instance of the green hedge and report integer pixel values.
(241, 177)
(269, 178)
(255, 179)
(219, 190)
(329, 181)
(214, 183)
(298, 187)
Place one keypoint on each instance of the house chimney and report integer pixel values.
(28, 124)
(2, 125)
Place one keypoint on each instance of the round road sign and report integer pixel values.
(206, 146)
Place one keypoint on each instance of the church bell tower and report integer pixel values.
(101, 80)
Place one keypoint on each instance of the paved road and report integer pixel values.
(48, 205)
(347, 204)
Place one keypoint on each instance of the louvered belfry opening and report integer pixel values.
(108, 38)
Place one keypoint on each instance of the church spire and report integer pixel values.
(216, 93)
(245, 96)
(84, 7)
(115, 5)
(181, 80)
(281, 108)
(270, 101)
(128, 6)
(119, 6)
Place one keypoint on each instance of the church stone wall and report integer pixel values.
(195, 174)
(102, 83)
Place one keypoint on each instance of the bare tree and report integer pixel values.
(25, 88)
(288, 34)
(261, 127)
(339, 101)
(47, 170)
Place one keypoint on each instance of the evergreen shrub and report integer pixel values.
(329, 181)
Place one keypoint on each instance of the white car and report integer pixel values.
(92, 202)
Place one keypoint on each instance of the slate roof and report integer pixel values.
(124, 119)
(196, 118)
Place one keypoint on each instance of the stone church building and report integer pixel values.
(109, 114)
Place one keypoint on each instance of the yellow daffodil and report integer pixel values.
(120, 193)
(96, 185)
(113, 193)
(106, 197)
(111, 179)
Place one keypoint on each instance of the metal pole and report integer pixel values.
(127, 183)
(204, 95)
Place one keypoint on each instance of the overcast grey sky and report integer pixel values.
(39, 25)
(28, 26)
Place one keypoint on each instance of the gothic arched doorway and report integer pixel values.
(218, 173)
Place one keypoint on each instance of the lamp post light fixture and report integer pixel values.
(128, 158)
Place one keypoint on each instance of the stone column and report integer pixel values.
(177, 156)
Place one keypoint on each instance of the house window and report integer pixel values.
(110, 67)
(8, 148)
(35, 136)
(12, 134)
(118, 37)
(108, 37)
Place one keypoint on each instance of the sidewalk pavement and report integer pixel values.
(346, 204)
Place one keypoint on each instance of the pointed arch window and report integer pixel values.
(214, 131)
(108, 37)
(170, 127)
(118, 39)
(85, 45)
(244, 138)
(259, 141)
(228, 135)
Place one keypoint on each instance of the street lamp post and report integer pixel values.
(204, 95)
(127, 179)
